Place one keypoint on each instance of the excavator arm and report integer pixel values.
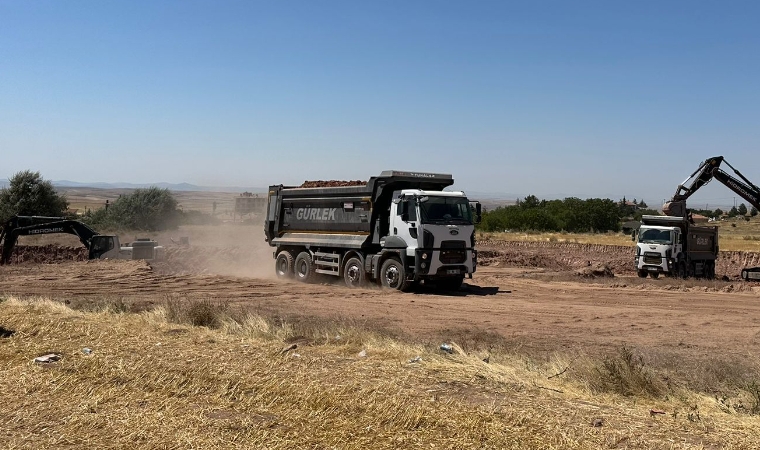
(708, 170)
(34, 225)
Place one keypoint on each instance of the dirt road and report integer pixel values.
(534, 310)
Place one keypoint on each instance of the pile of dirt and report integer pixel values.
(555, 256)
(571, 256)
(332, 183)
(596, 271)
(47, 254)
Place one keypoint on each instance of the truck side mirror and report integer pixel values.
(478, 213)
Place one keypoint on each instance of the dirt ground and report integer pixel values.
(532, 298)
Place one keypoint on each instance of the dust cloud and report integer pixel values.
(228, 249)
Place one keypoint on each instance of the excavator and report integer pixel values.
(99, 246)
(709, 169)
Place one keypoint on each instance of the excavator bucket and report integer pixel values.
(675, 208)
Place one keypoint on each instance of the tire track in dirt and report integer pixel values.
(543, 316)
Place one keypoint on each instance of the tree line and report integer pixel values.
(571, 214)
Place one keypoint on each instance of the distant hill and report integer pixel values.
(170, 186)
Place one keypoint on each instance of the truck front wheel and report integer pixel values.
(393, 275)
(681, 271)
(284, 265)
(655, 275)
(304, 267)
(710, 269)
(642, 273)
(353, 273)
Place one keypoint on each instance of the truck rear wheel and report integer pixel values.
(393, 275)
(353, 273)
(655, 275)
(304, 267)
(283, 265)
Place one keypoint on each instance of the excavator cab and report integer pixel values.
(100, 245)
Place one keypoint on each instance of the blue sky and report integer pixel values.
(587, 99)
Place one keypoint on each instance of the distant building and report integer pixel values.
(248, 203)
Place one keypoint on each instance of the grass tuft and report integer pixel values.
(626, 374)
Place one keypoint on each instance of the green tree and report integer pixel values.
(28, 194)
(753, 211)
(742, 209)
(530, 201)
(733, 212)
(148, 209)
(718, 213)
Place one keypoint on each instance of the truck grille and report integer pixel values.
(453, 252)
(652, 258)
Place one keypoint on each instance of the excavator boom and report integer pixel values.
(33, 225)
(708, 170)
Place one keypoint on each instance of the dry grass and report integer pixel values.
(153, 383)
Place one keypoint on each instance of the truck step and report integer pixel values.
(327, 271)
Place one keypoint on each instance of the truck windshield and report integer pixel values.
(446, 210)
(653, 236)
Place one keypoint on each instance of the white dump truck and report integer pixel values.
(673, 246)
(398, 229)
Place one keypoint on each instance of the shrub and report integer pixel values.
(150, 209)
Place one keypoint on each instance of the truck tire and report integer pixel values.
(450, 284)
(745, 275)
(642, 273)
(304, 267)
(655, 275)
(353, 273)
(393, 275)
(681, 270)
(710, 269)
(283, 265)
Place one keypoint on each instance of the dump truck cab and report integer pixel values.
(438, 230)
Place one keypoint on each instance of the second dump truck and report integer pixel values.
(674, 246)
(399, 229)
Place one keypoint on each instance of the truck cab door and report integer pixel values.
(678, 238)
(405, 222)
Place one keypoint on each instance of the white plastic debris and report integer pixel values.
(49, 358)
(414, 360)
(363, 354)
(447, 348)
(87, 351)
